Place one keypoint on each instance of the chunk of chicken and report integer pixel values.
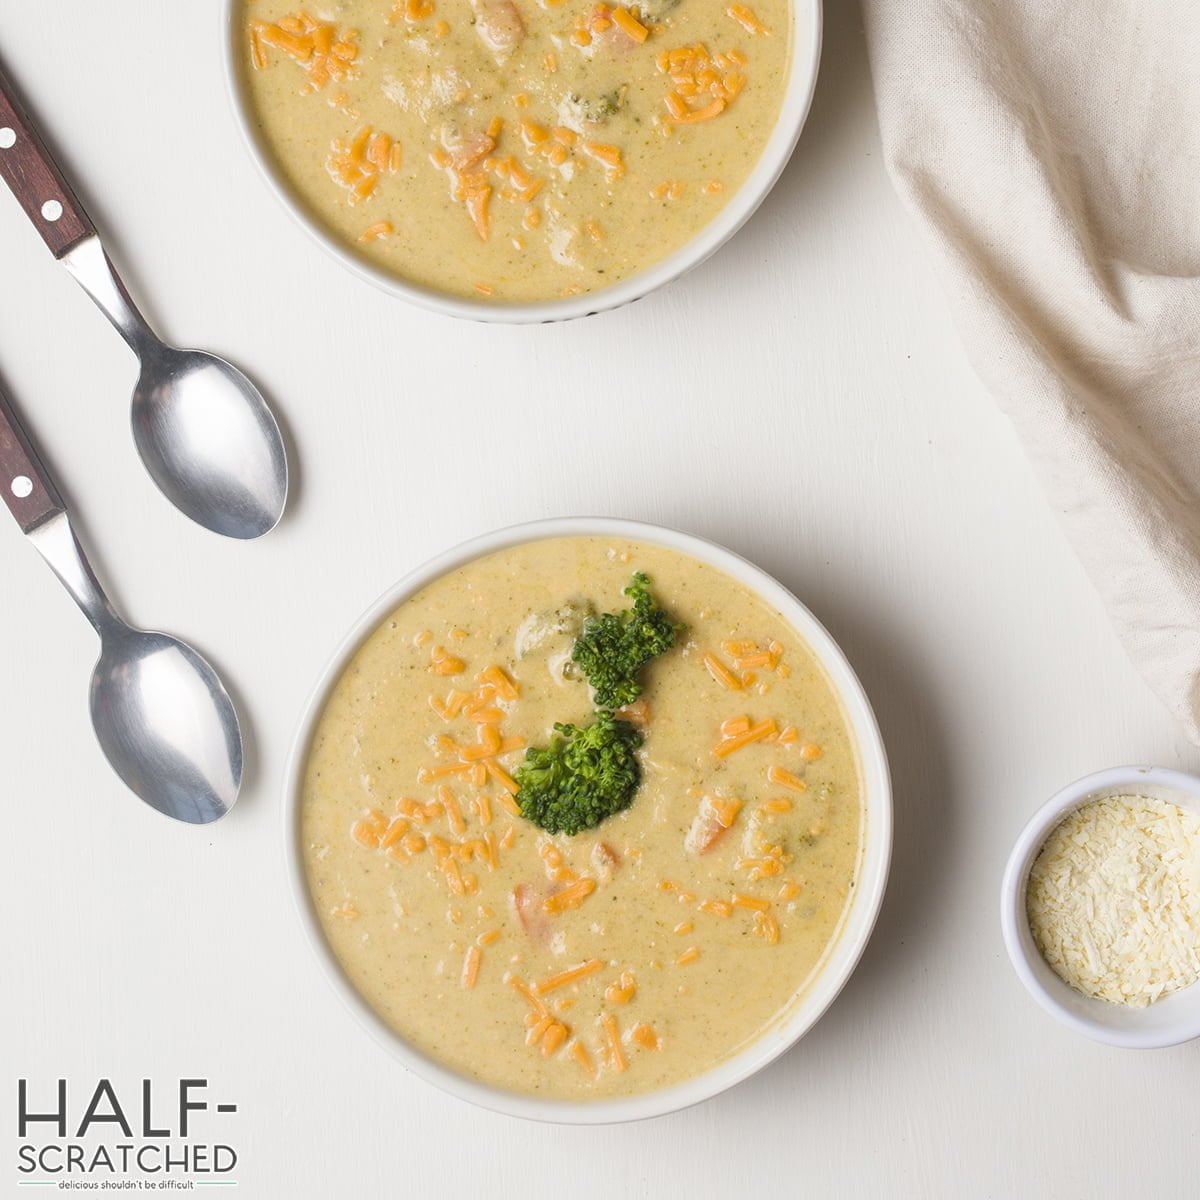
(605, 860)
(528, 901)
(499, 25)
(713, 820)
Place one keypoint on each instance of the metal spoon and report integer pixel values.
(162, 717)
(202, 428)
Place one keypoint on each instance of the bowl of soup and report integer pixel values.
(522, 160)
(563, 892)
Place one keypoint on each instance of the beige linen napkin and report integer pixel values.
(1050, 149)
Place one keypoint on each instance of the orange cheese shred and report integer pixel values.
(783, 778)
(470, 971)
(580, 1054)
(755, 733)
(523, 989)
(713, 109)
(720, 672)
(645, 1037)
(612, 1034)
(365, 834)
(373, 233)
(747, 20)
(442, 663)
(569, 976)
(767, 927)
(622, 990)
(505, 780)
(553, 1038)
(395, 831)
(630, 25)
(571, 896)
(506, 689)
(608, 156)
(453, 812)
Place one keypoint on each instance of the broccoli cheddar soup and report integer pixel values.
(515, 149)
(582, 818)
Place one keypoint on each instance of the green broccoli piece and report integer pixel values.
(615, 646)
(597, 109)
(583, 777)
(655, 10)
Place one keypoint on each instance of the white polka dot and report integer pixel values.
(52, 210)
(8, 138)
(22, 486)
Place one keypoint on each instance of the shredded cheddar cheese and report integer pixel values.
(755, 733)
(571, 896)
(443, 663)
(314, 45)
(645, 1037)
(612, 1035)
(786, 779)
(608, 156)
(630, 25)
(583, 1058)
(358, 165)
(411, 11)
(717, 669)
(569, 976)
(470, 971)
(747, 20)
(622, 990)
(767, 927)
(373, 233)
(702, 86)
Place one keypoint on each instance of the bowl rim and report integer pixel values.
(813, 997)
(1023, 952)
(794, 108)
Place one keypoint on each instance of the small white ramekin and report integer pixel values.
(797, 99)
(1167, 1022)
(813, 995)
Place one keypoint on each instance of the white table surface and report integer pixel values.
(803, 398)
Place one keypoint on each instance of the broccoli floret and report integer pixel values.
(615, 646)
(655, 10)
(595, 109)
(583, 777)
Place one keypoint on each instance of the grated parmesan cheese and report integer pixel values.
(1114, 899)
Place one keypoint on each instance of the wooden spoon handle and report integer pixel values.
(28, 489)
(35, 180)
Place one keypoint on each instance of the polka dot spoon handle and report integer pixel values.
(28, 489)
(32, 174)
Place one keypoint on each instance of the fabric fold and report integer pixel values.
(1051, 154)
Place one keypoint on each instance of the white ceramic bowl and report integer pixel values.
(1169, 1021)
(813, 997)
(800, 83)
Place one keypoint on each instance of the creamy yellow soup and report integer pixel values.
(625, 958)
(516, 149)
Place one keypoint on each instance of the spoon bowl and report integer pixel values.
(209, 440)
(166, 724)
